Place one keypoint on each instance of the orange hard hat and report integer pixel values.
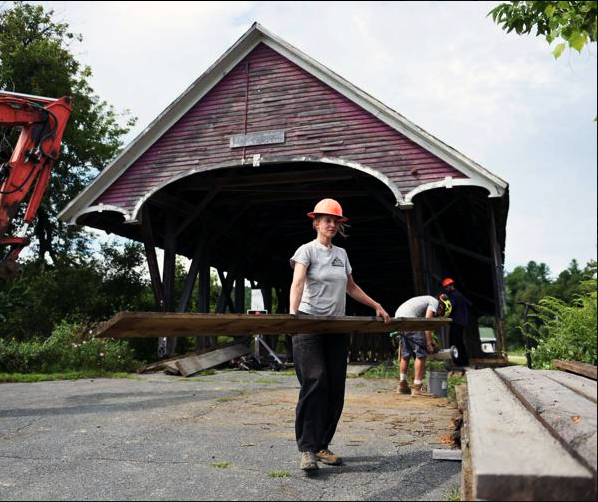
(328, 206)
(446, 282)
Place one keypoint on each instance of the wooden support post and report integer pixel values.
(203, 300)
(191, 277)
(239, 293)
(426, 272)
(498, 281)
(166, 346)
(414, 250)
(152, 260)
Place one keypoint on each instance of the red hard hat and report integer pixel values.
(446, 282)
(328, 206)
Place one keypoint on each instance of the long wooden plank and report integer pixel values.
(578, 368)
(513, 456)
(169, 324)
(576, 383)
(571, 418)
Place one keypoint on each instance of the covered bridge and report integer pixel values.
(226, 174)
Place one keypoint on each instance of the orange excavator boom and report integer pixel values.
(27, 173)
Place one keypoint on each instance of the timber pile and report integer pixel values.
(531, 435)
(173, 324)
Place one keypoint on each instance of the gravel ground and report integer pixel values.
(228, 436)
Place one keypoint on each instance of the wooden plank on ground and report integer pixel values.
(173, 324)
(170, 362)
(513, 456)
(578, 368)
(577, 383)
(571, 418)
(194, 364)
(447, 454)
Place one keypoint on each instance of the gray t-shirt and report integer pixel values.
(417, 306)
(325, 289)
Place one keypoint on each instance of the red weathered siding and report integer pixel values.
(317, 120)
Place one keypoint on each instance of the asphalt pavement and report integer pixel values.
(228, 436)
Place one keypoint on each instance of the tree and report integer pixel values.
(572, 22)
(523, 285)
(36, 58)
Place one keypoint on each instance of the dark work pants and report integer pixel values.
(456, 339)
(321, 367)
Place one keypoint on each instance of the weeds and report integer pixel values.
(454, 493)
(279, 474)
(221, 465)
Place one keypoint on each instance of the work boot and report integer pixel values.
(309, 461)
(403, 387)
(327, 457)
(417, 390)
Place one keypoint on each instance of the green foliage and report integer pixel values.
(85, 292)
(386, 369)
(567, 332)
(36, 57)
(572, 22)
(453, 382)
(69, 348)
(454, 493)
(531, 283)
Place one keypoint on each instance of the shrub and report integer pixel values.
(69, 348)
(567, 332)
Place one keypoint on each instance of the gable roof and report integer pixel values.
(258, 34)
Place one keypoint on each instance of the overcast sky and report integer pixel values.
(501, 100)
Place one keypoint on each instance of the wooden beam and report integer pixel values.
(568, 416)
(415, 253)
(152, 260)
(498, 282)
(499, 425)
(576, 367)
(461, 250)
(172, 324)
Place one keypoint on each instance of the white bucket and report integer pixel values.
(437, 383)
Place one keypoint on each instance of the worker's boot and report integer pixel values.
(327, 457)
(417, 390)
(308, 461)
(403, 387)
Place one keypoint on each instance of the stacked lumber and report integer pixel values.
(531, 435)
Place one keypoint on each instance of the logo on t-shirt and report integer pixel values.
(337, 262)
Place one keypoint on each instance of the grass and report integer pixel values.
(517, 360)
(454, 493)
(224, 399)
(452, 382)
(221, 465)
(67, 375)
(387, 369)
(279, 474)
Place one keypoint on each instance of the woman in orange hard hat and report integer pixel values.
(321, 280)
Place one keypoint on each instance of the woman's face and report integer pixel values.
(327, 225)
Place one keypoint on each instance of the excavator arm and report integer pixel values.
(27, 173)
